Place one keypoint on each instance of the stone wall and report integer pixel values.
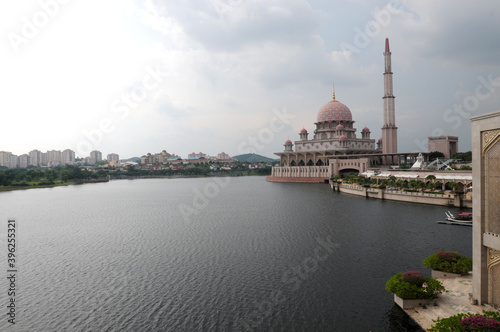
(402, 196)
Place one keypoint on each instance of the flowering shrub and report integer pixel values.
(480, 323)
(413, 277)
(429, 289)
(450, 262)
(489, 321)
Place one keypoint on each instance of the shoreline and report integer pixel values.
(401, 196)
(14, 188)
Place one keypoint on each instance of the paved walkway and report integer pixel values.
(451, 302)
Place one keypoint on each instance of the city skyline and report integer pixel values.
(54, 158)
(238, 76)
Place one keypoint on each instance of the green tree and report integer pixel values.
(431, 185)
(431, 177)
(465, 156)
(435, 154)
(439, 185)
(420, 185)
(392, 180)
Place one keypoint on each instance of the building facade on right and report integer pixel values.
(447, 145)
(486, 208)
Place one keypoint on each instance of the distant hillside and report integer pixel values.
(253, 158)
(134, 159)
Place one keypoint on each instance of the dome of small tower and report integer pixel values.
(365, 130)
(343, 138)
(288, 142)
(339, 127)
(303, 131)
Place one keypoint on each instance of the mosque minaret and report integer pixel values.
(389, 130)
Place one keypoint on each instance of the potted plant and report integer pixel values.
(488, 321)
(447, 264)
(412, 289)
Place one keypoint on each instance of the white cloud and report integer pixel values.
(230, 63)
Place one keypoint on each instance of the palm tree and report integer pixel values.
(431, 185)
(392, 180)
(453, 185)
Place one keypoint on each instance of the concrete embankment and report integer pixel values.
(404, 196)
(296, 179)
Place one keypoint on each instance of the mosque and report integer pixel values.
(334, 135)
(336, 147)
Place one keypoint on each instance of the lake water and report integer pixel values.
(213, 254)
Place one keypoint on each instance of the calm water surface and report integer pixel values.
(226, 254)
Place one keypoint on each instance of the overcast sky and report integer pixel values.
(239, 76)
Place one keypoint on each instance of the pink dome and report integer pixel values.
(365, 130)
(288, 142)
(380, 140)
(343, 138)
(303, 131)
(339, 127)
(334, 111)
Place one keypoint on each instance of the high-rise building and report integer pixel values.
(197, 155)
(112, 157)
(24, 160)
(8, 159)
(97, 155)
(14, 161)
(68, 156)
(389, 130)
(223, 156)
(53, 156)
(5, 158)
(35, 157)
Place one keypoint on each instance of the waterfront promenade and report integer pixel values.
(445, 199)
(453, 301)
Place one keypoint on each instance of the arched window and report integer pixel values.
(319, 163)
(301, 163)
(310, 163)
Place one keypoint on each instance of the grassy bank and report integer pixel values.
(34, 186)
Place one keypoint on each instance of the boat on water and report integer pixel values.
(463, 218)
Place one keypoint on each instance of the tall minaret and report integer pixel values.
(389, 130)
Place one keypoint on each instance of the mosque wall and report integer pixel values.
(486, 210)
